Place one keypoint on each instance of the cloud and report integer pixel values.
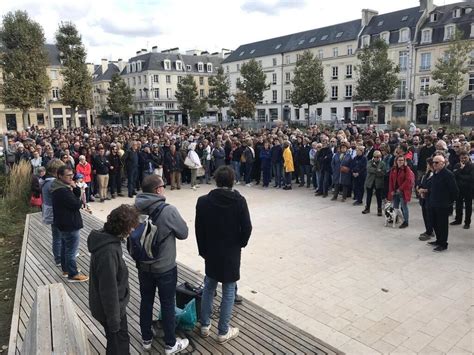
(144, 27)
(271, 9)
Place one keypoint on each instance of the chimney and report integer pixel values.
(426, 5)
(104, 63)
(139, 52)
(154, 49)
(144, 51)
(120, 64)
(367, 15)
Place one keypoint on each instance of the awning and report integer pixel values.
(363, 108)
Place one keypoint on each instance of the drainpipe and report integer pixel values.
(281, 94)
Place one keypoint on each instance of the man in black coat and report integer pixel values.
(464, 174)
(131, 165)
(67, 218)
(442, 192)
(223, 228)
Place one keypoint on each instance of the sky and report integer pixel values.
(114, 29)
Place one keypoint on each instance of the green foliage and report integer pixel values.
(308, 81)
(77, 89)
(243, 106)
(120, 98)
(254, 81)
(24, 63)
(377, 74)
(187, 94)
(199, 108)
(219, 88)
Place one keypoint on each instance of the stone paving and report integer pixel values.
(343, 276)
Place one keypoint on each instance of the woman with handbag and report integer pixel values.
(400, 186)
(193, 162)
(341, 171)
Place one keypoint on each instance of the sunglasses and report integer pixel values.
(437, 162)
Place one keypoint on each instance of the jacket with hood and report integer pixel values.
(223, 228)
(171, 226)
(108, 285)
(66, 206)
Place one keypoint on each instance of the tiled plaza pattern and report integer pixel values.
(343, 276)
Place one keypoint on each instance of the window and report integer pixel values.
(58, 111)
(312, 39)
(287, 78)
(348, 91)
(179, 65)
(385, 36)
(139, 79)
(53, 74)
(403, 60)
(227, 69)
(426, 36)
(449, 32)
(434, 17)
(301, 42)
(333, 113)
(201, 93)
(274, 62)
(237, 82)
(349, 71)
(40, 118)
(168, 79)
(297, 113)
(425, 61)
(156, 78)
(471, 82)
(274, 96)
(335, 72)
(252, 51)
(274, 78)
(209, 67)
(325, 37)
(401, 94)
(169, 105)
(365, 41)
(319, 112)
(472, 30)
(339, 34)
(404, 18)
(380, 23)
(238, 67)
(140, 93)
(277, 46)
(287, 95)
(241, 53)
(261, 114)
(471, 58)
(404, 35)
(260, 63)
(287, 59)
(273, 113)
(134, 81)
(201, 80)
(201, 67)
(128, 81)
(167, 64)
(139, 66)
(189, 68)
(168, 93)
(55, 93)
(144, 79)
(134, 67)
(456, 13)
(335, 52)
(424, 86)
(334, 92)
(349, 49)
(320, 54)
(298, 57)
(180, 79)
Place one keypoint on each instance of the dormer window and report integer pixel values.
(241, 53)
(434, 17)
(456, 13)
(325, 37)
(128, 68)
(179, 65)
(252, 51)
(404, 18)
(188, 68)
(449, 32)
(380, 23)
(339, 34)
(200, 66)
(312, 39)
(301, 42)
(209, 67)
(426, 36)
(167, 64)
(365, 41)
(134, 67)
(385, 36)
(139, 66)
(404, 35)
(277, 46)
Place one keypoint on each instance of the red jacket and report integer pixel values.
(84, 170)
(401, 179)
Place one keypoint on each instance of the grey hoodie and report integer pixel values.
(170, 226)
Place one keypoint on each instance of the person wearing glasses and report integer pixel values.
(162, 273)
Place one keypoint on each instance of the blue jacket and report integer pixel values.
(336, 163)
(277, 154)
(359, 165)
(265, 157)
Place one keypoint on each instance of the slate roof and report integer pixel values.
(445, 17)
(393, 22)
(155, 61)
(338, 33)
(111, 70)
(53, 54)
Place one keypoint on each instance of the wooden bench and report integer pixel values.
(54, 327)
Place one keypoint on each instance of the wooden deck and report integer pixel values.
(260, 331)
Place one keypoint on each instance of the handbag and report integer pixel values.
(344, 169)
(187, 292)
(200, 171)
(36, 201)
(189, 163)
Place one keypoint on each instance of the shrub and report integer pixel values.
(18, 188)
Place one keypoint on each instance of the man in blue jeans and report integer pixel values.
(67, 219)
(220, 241)
(162, 272)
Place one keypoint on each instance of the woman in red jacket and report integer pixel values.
(401, 183)
(85, 169)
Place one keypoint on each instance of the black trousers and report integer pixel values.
(425, 211)
(115, 182)
(378, 195)
(118, 343)
(464, 201)
(440, 220)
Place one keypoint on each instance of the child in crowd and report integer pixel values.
(83, 186)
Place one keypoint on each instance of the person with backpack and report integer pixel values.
(109, 292)
(157, 267)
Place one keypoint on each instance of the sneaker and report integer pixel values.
(147, 344)
(424, 237)
(65, 273)
(467, 226)
(403, 225)
(78, 278)
(434, 243)
(58, 264)
(379, 212)
(366, 211)
(357, 203)
(248, 185)
(180, 345)
(238, 299)
(455, 223)
(439, 249)
(237, 183)
(205, 331)
(231, 334)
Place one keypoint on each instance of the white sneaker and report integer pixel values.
(205, 331)
(248, 185)
(180, 345)
(231, 334)
(237, 183)
(147, 344)
(193, 187)
(198, 186)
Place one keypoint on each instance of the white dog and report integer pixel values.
(392, 215)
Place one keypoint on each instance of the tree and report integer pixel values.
(377, 74)
(24, 63)
(243, 106)
(451, 69)
(219, 87)
(199, 109)
(77, 89)
(308, 81)
(253, 83)
(120, 99)
(187, 94)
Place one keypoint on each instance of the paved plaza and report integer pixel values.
(344, 277)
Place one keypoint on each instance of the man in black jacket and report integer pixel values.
(131, 165)
(442, 192)
(425, 152)
(304, 163)
(101, 166)
(464, 173)
(67, 218)
(223, 228)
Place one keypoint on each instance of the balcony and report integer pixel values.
(425, 67)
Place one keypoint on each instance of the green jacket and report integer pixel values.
(375, 173)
